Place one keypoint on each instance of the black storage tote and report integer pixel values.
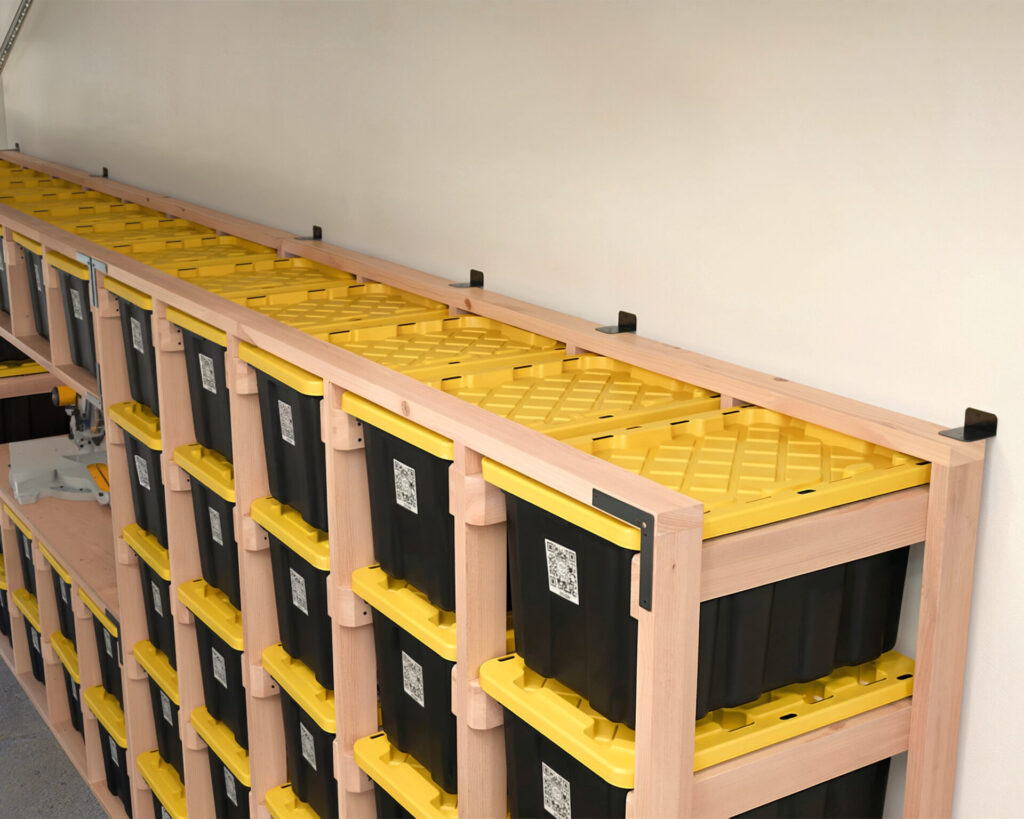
(62, 593)
(24, 537)
(74, 290)
(155, 574)
(5, 613)
(32, 252)
(68, 657)
(142, 446)
(229, 766)
(165, 782)
(136, 311)
(108, 645)
(402, 787)
(113, 742)
(29, 608)
(163, 692)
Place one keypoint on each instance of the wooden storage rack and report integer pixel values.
(686, 569)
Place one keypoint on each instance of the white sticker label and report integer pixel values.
(74, 692)
(308, 747)
(113, 751)
(108, 643)
(39, 280)
(412, 679)
(405, 487)
(142, 471)
(136, 326)
(562, 577)
(28, 547)
(298, 591)
(158, 605)
(557, 797)
(220, 670)
(165, 707)
(76, 305)
(215, 531)
(35, 640)
(63, 591)
(229, 787)
(284, 412)
(206, 373)
(163, 813)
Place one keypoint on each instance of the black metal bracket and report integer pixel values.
(17, 146)
(978, 425)
(117, 625)
(105, 173)
(627, 324)
(644, 521)
(318, 235)
(476, 279)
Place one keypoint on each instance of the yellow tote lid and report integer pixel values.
(394, 424)
(30, 244)
(65, 575)
(139, 421)
(3, 576)
(149, 549)
(214, 608)
(129, 294)
(405, 780)
(65, 651)
(282, 803)
(287, 525)
(28, 606)
(108, 711)
(165, 783)
(69, 266)
(18, 522)
(593, 520)
(209, 467)
(288, 374)
(194, 325)
(222, 742)
(298, 679)
(97, 612)
(24, 367)
(156, 664)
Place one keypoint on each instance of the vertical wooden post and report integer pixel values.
(23, 323)
(56, 700)
(60, 344)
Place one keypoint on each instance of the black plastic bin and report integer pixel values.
(402, 786)
(407, 473)
(136, 310)
(290, 401)
(300, 558)
(142, 446)
(219, 636)
(32, 252)
(205, 347)
(5, 290)
(113, 742)
(213, 500)
(24, 537)
(859, 794)
(309, 731)
(5, 613)
(155, 574)
(62, 593)
(229, 766)
(74, 290)
(107, 646)
(29, 607)
(163, 692)
(65, 651)
(24, 417)
(165, 782)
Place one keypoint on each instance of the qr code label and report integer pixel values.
(229, 787)
(158, 603)
(74, 692)
(405, 487)
(142, 471)
(284, 412)
(76, 305)
(557, 795)
(298, 591)
(39, 279)
(207, 374)
(165, 707)
(63, 591)
(113, 751)
(562, 577)
(308, 746)
(136, 326)
(220, 669)
(163, 813)
(35, 641)
(27, 546)
(412, 679)
(215, 530)
(108, 644)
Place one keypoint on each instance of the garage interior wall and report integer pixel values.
(830, 192)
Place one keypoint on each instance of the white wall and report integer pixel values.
(828, 191)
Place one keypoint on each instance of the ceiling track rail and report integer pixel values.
(13, 31)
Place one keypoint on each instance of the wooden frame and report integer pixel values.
(687, 568)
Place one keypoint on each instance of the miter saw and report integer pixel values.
(72, 467)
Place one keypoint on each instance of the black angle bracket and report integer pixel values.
(476, 279)
(318, 235)
(627, 324)
(644, 521)
(106, 173)
(978, 425)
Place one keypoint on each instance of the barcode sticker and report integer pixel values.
(113, 751)
(39, 279)
(165, 707)
(158, 603)
(229, 787)
(412, 679)
(220, 669)
(207, 374)
(76, 304)
(35, 640)
(215, 531)
(63, 591)
(163, 813)
(405, 487)
(298, 591)
(557, 794)
(108, 643)
(562, 577)
(284, 412)
(142, 471)
(74, 691)
(136, 326)
(308, 746)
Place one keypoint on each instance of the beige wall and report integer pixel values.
(829, 191)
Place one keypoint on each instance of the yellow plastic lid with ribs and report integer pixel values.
(20, 367)
(282, 803)
(69, 266)
(57, 211)
(132, 217)
(214, 608)
(252, 284)
(139, 421)
(157, 665)
(288, 374)
(751, 466)
(149, 549)
(165, 783)
(65, 575)
(28, 606)
(108, 711)
(149, 235)
(222, 742)
(65, 651)
(3, 576)
(299, 681)
(394, 424)
(194, 325)
(28, 198)
(191, 257)
(129, 294)
(404, 779)
(17, 522)
(287, 525)
(28, 244)
(209, 467)
(97, 612)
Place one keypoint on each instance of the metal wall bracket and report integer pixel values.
(476, 279)
(627, 324)
(978, 425)
(105, 173)
(644, 521)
